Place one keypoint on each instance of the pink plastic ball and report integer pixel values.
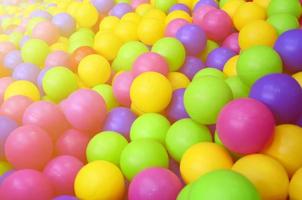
(174, 26)
(28, 147)
(61, 171)
(245, 126)
(46, 31)
(150, 62)
(26, 184)
(231, 42)
(4, 83)
(121, 88)
(200, 12)
(58, 58)
(73, 143)
(85, 110)
(47, 116)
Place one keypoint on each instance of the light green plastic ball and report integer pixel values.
(106, 92)
(239, 89)
(283, 22)
(185, 193)
(164, 5)
(35, 51)
(209, 72)
(292, 7)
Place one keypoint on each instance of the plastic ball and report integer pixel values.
(78, 55)
(191, 66)
(202, 158)
(239, 89)
(230, 67)
(24, 88)
(263, 3)
(109, 23)
(218, 57)
(285, 147)
(127, 31)
(120, 9)
(26, 71)
(150, 126)
(180, 6)
(86, 15)
(176, 109)
(178, 80)
(172, 50)
(205, 108)
(231, 42)
(65, 197)
(151, 92)
(232, 186)
(35, 51)
(12, 59)
(150, 30)
(106, 92)
(178, 14)
(200, 12)
(254, 127)
(262, 60)
(121, 87)
(65, 23)
(154, 183)
(46, 31)
(292, 7)
(283, 22)
(141, 154)
(258, 32)
(58, 58)
(106, 176)
(208, 71)
(174, 26)
(27, 183)
(103, 6)
(164, 5)
(199, 3)
(267, 174)
(7, 125)
(295, 185)
(61, 171)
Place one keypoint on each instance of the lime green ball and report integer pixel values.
(283, 22)
(107, 145)
(106, 92)
(142, 154)
(256, 62)
(292, 7)
(164, 5)
(35, 51)
(72, 46)
(209, 72)
(82, 34)
(15, 38)
(238, 88)
(127, 54)
(205, 97)
(223, 184)
(4, 167)
(171, 49)
(150, 126)
(58, 83)
(185, 193)
(183, 134)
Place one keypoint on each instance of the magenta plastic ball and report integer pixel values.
(12, 59)
(61, 171)
(41, 13)
(180, 6)
(174, 26)
(206, 2)
(176, 110)
(103, 6)
(26, 184)
(191, 66)
(119, 120)
(231, 42)
(58, 58)
(200, 12)
(218, 57)
(154, 183)
(65, 23)
(193, 38)
(121, 88)
(120, 9)
(245, 126)
(26, 71)
(7, 125)
(65, 197)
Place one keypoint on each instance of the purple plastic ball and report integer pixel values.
(26, 71)
(119, 120)
(7, 125)
(218, 57)
(103, 6)
(206, 2)
(231, 42)
(289, 47)
(282, 94)
(65, 23)
(191, 66)
(154, 183)
(119, 10)
(65, 197)
(12, 59)
(41, 13)
(299, 121)
(180, 6)
(193, 38)
(176, 110)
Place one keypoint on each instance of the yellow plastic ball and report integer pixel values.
(142, 9)
(93, 70)
(298, 77)
(4, 38)
(178, 14)
(188, 3)
(126, 30)
(202, 158)
(155, 14)
(150, 30)
(5, 167)
(286, 147)
(99, 180)
(178, 80)
(109, 23)
(136, 110)
(247, 13)
(59, 46)
(24, 88)
(267, 174)
(151, 92)
(133, 17)
(257, 33)
(87, 15)
(263, 3)
(231, 6)
(295, 192)
(229, 68)
(73, 8)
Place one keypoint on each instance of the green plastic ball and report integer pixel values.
(185, 193)
(150, 126)
(292, 7)
(205, 97)
(107, 145)
(209, 72)
(183, 134)
(106, 92)
(256, 62)
(171, 49)
(283, 22)
(164, 5)
(223, 184)
(238, 88)
(35, 51)
(15, 38)
(142, 154)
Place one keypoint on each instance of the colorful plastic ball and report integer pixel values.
(105, 177)
(285, 147)
(262, 60)
(232, 186)
(65, 197)
(254, 127)
(26, 71)
(231, 42)
(150, 126)
(103, 6)
(24, 88)
(230, 67)
(155, 14)
(65, 23)
(172, 50)
(180, 6)
(176, 109)
(27, 183)
(258, 32)
(31, 141)
(218, 57)
(58, 58)
(282, 94)
(40, 13)
(58, 83)
(239, 89)
(7, 125)
(78, 55)
(35, 51)
(283, 22)
(106, 91)
(174, 26)
(205, 108)
(132, 17)
(121, 87)
(127, 31)
(200, 12)
(191, 66)
(85, 110)
(72, 142)
(268, 175)
(202, 158)
(151, 92)
(164, 5)
(205, 2)
(120, 9)
(141, 154)
(46, 31)
(154, 183)
(178, 80)
(86, 15)
(288, 45)
(292, 7)
(61, 171)
(208, 71)
(5, 47)
(150, 30)
(12, 59)
(295, 185)
(109, 23)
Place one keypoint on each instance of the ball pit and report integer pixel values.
(150, 99)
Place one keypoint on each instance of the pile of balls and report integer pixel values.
(150, 100)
